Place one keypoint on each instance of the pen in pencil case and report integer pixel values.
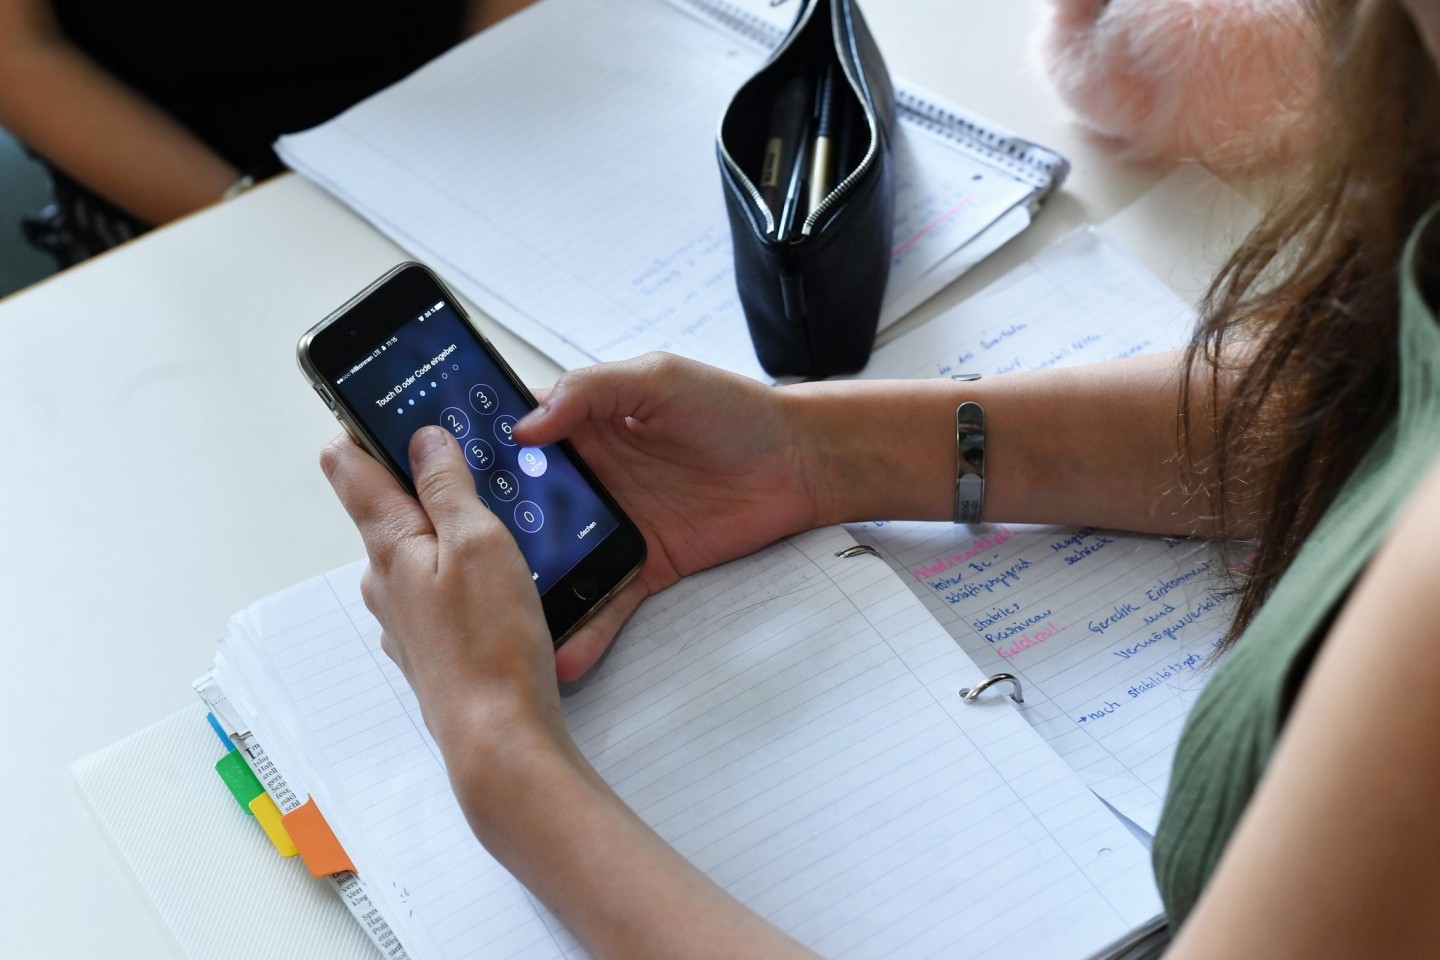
(787, 121)
(821, 161)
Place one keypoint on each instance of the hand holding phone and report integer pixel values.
(402, 355)
(710, 465)
(452, 592)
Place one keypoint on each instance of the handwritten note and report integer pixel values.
(1108, 632)
(548, 171)
(788, 722)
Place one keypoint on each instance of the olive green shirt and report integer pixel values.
(1235, 724)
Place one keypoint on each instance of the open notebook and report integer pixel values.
(789, 722)
(559, 169)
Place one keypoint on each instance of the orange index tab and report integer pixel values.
(314, 840)
(271, 821)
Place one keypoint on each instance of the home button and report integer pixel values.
(585, 587)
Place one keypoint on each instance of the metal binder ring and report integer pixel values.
(856, 551)
(970, 694)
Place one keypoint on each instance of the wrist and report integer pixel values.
(880, 450)
(496, 753)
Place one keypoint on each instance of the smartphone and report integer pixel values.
(402, 354)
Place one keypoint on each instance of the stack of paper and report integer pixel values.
(789, 722)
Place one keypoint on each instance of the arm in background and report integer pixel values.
(105, 135)
(480, 14)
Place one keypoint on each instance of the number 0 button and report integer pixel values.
(528, 516)
(455, 420)
(479, 454)
(504, 426)
(482, 398)
(503, 485)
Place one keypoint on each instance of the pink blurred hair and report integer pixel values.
(1226, 82)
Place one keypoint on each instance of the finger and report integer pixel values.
(629, 388)
(383, 512)
(444, 483)
(587, 644)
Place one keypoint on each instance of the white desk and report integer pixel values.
(161, 453)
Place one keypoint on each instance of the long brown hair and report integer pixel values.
(1314, 288)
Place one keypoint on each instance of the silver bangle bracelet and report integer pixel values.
(969, 462)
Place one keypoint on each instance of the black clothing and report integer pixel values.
(239, 75)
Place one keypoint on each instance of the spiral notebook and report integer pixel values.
(559, 170)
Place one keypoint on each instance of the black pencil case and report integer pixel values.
(812, 294)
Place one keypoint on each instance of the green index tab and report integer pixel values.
(239, 778)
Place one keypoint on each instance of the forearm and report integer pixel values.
(480, 14)
(1096, 445)
(544, 813)
(98, 131)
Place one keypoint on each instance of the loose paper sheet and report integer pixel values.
(1109, 633)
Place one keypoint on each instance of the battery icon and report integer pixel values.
(437, 306)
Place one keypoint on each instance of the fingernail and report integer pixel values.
(429, 441)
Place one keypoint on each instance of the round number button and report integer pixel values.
(532, 461)
(528, 516)
(455, 420)
(503, 485)
(479, 454)
(482, 398)
(504, 426)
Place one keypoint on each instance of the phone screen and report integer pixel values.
(433, 368)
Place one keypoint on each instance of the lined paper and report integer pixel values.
(1108, 632)
(789, 722)
(560, 170)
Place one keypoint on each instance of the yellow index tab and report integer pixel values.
(269, 817)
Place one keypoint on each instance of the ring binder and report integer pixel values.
(970, 694)
(858, 550)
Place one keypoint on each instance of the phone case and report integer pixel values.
(812, 296)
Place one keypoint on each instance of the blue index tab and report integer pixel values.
(219, 731)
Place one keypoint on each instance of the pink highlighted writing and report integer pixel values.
(1030, 640)
(920, 234)
(977, 546)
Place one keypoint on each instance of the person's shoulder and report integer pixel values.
(1403, 575)
(1417, 525)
